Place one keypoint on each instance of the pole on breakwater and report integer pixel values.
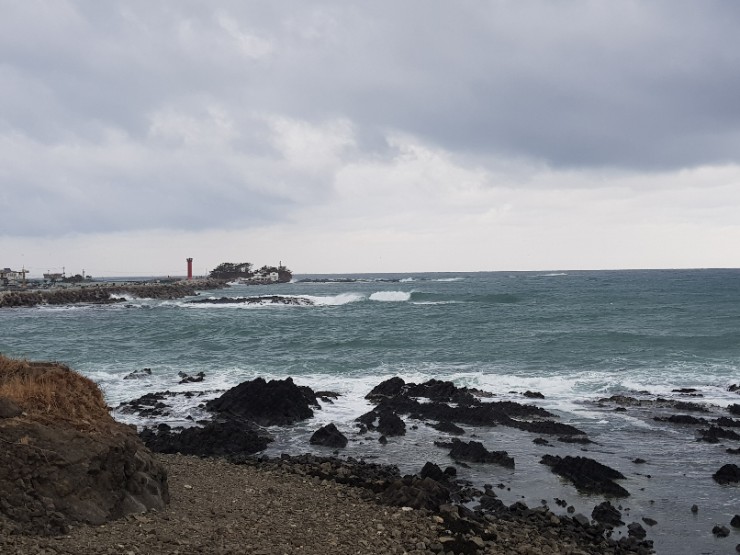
(190, 268)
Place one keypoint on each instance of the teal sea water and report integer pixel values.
(573, 336)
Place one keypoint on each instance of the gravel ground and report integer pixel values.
(220, 508)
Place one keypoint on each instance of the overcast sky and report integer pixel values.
(381, 136)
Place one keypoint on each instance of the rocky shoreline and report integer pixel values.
(102, 293)
(263, 508)
(402, 408)
(465, 512)
(218, 479)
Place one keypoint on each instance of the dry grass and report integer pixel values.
(51, 391)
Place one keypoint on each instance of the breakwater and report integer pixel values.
(102, 293)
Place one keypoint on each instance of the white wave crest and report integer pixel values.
(406, 280)
(449, 279)
(336, 300)
(391, 296)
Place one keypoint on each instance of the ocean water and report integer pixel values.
(573, 336)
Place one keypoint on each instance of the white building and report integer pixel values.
(12, 277)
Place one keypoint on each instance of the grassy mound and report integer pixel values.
(50, 391)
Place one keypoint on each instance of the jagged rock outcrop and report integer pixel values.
(728, 474)
(218, 438)
(277, 402)
(459, 405)
(101, 293)
(328, 436)
(587, 474)
(474, 451)
(64, 459)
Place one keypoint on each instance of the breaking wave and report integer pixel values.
(391, 296)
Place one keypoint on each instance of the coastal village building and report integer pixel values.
(12, 277)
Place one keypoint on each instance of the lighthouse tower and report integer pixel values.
(190, 268)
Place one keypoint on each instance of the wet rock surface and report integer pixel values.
(474, 451)
(587, 474)
(329, 436)
(277, 402)
(218, 438)
(445, 402)
(727, 474)
(607, 514)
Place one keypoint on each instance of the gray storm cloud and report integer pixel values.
(117, 116)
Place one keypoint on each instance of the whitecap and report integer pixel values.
(335, 300)
(390, 296)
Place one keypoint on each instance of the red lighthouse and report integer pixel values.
(190, 268)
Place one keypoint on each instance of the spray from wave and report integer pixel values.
(390, 296)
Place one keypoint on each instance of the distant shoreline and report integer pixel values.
(104, 293)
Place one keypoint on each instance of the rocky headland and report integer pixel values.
(63, 459)
(105, 293)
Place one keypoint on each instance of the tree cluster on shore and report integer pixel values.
(244, 270)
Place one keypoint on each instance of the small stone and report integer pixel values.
(694, 508)
(188, 486)
(649, 521)
(735, 522)
(721, 531)
(636, 530)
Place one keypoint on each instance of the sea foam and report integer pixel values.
(390, 296)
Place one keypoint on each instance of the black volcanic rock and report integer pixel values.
(277, 402)
(721, 531)
(727, 422)
(390, 424)
(587, 474)
(138, 374)
(680, 419)
(438, 390)
(215, 439)
(734, 409)
(533, 395)
(714, 434)
(474, 451)
(431, 470)
(418, 493)
(328, 436)
(606, 513)
(728, 474)
(547, 427)
(148, 405)
(635, 529)
(389, 388)
(186, 378)
(448, 427)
